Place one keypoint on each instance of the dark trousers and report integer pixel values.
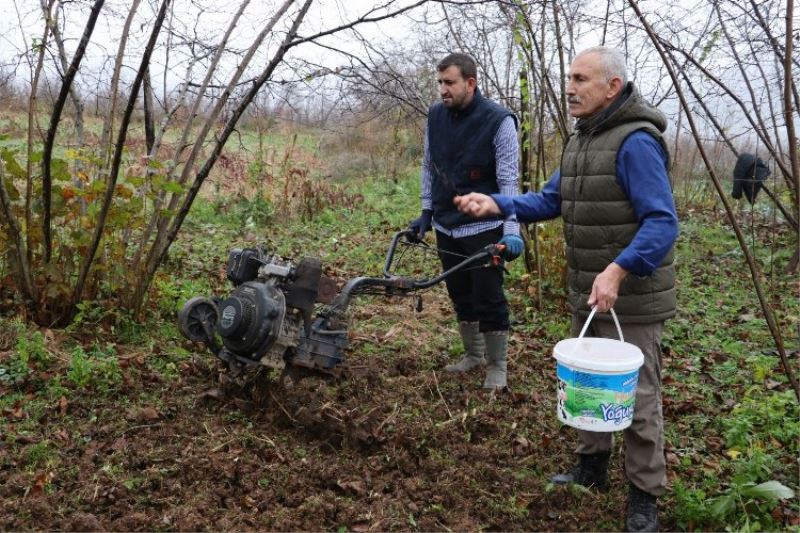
(476, 292)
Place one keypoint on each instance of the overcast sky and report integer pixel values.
(22, 22)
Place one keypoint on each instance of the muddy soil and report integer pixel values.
(392, 443)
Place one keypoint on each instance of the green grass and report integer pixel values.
(732, 423)
(724, 361)
(720, 349)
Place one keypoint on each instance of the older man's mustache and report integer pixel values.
(573, 100)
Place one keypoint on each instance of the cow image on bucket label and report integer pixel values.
(596, 401)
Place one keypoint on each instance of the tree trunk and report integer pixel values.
(164, 241)
(754, 270)
(31, 124)
(108, 122)
(77, 101)
(149, 112)
(117, 159)
(55, 117)
(23, 271)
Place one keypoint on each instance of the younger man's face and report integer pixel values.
(455, 91)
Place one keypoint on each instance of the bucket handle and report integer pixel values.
(591, 315)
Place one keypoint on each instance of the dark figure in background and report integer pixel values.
(471, 146)
(748, 176)
(614, 195)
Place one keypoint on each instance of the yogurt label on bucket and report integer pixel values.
(596, 401)
(616, 412)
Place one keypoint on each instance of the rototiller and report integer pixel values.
(269, 318)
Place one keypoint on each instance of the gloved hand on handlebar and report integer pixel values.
(420, 225)
(514, 247)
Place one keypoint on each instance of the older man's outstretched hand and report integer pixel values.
(476, 205)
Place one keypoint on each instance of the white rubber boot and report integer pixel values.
(497, 364)
(474, 348)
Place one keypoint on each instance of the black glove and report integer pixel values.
(420, 225)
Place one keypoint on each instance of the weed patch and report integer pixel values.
(132, 424)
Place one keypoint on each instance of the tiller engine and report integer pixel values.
(268, 319)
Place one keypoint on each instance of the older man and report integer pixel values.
(620, 225)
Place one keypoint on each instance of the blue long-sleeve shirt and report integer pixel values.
(642, 173)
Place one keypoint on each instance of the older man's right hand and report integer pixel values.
(476, 205)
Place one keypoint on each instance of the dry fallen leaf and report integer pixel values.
(214, 394)
(672, 458)
(391, 333)
(61, 435)
(38, 484)
(733, 454)
(62, 405)
(354, 486)
(522, 441)
(148, 413)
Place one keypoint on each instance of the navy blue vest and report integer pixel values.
(462, 155)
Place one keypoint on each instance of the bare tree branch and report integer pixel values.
(160, 247)
(117, 159)
(754, 270)
(55, 117)
(31, 125)
(24, 268)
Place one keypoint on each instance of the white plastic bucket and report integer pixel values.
(597, 380)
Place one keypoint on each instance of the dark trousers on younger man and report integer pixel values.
(477, 293)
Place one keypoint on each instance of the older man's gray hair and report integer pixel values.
(612, 62)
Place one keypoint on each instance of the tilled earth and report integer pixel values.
(392, 443)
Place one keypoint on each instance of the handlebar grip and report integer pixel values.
(497, 257)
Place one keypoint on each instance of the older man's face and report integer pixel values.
(588, 91)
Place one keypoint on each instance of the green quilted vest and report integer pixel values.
(599, 221)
